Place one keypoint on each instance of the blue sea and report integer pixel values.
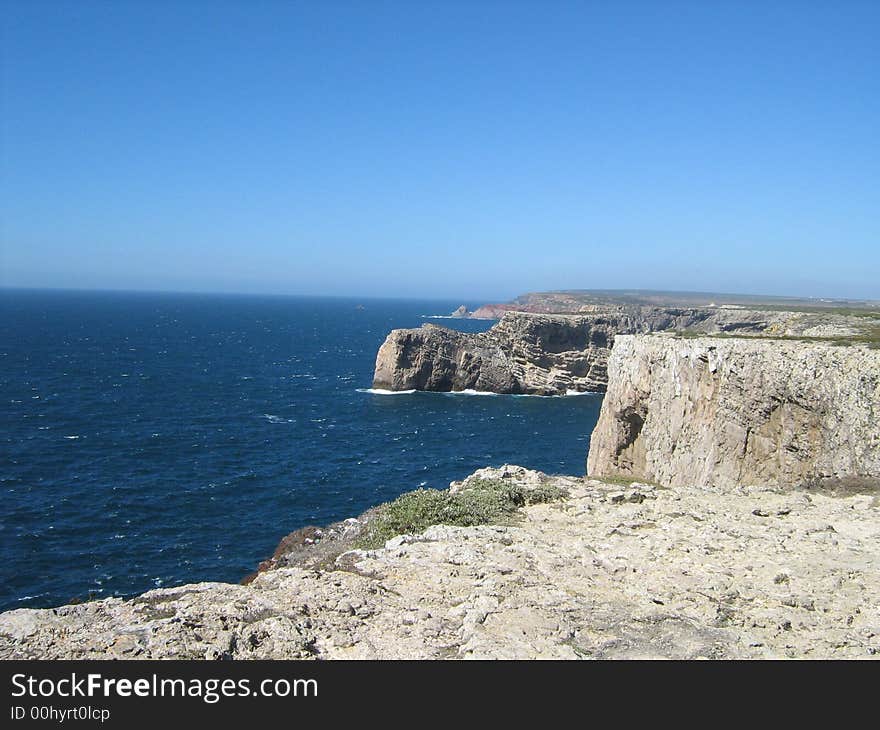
(159, 439)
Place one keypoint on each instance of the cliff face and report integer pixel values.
(543, 354)
(727, 412)
(523, 353)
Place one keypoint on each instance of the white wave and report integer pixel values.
(277, 419)
(567, 394)
(471, 391)
(382, 391)
(71, 437)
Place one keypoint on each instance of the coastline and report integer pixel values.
(672, 546)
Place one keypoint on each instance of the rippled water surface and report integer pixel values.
(157, 439)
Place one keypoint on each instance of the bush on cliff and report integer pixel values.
(480, 502)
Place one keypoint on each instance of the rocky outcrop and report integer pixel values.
(734, 411)
(544, 354)
(537, 354)
(495, 311)
(610, 572)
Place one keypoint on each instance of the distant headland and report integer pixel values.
(577, 301)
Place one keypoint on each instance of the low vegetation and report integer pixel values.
(867, 311)
(869, 336)
(481, 502)
(623, 481)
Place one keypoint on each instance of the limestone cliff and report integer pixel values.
(735, 411)
(543, 354)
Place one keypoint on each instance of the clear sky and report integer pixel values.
(449, 149)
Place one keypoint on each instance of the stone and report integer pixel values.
(582, 578)
(553, 354)
(741, 411)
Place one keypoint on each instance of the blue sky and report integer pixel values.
(475, 150)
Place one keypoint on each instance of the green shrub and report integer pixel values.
(622, 481)
(869, 336)
(482, 502)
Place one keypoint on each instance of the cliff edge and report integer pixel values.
(539, 354)
(734, 411)
(551, 354)
(523, 353)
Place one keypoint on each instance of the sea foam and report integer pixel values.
(471, 391)
(382, 391)
(278, 419)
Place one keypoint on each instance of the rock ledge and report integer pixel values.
(623, 570)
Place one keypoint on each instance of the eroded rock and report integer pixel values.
(550, 354)
(730, 412)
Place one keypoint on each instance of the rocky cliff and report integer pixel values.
(549, 354)
(523, 353)
(609, 572)
(734, 411)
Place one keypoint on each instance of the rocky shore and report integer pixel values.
(611, 571)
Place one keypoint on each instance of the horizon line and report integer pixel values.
(485, 301)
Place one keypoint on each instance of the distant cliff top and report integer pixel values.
(585, 301)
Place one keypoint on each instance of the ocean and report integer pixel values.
(158, 439)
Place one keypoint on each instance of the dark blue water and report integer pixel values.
(157, 439)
